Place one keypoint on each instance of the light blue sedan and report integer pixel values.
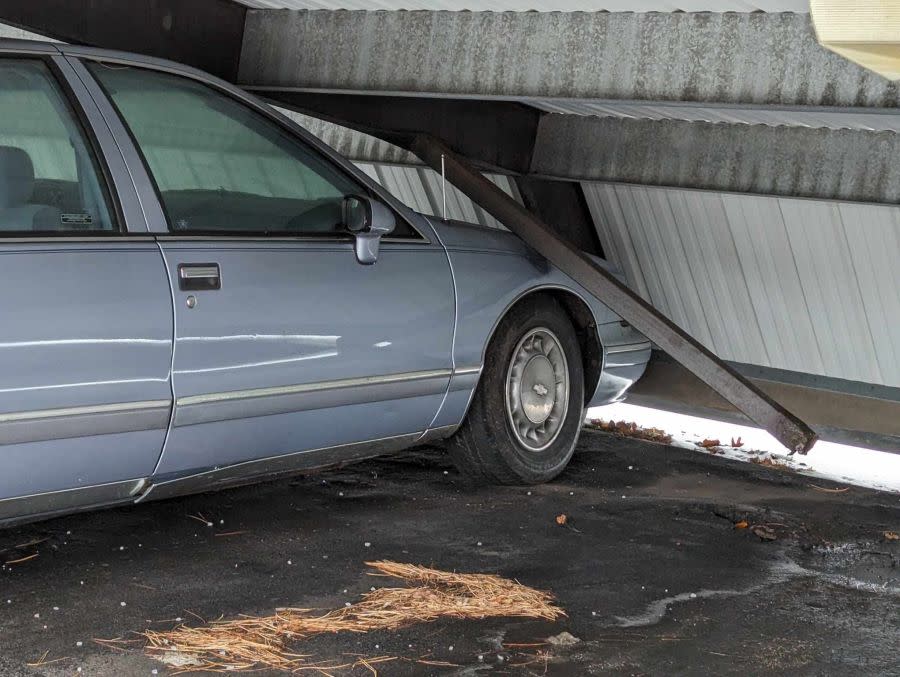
(198, 293)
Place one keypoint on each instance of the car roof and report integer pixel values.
(15, 45)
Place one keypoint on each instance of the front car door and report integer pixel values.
(284, 342)
(86, 331)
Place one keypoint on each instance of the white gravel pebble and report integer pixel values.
(122, 604)
(37, 615)
(56, 608)
(79, 643)
(289, 562)
(367, 544)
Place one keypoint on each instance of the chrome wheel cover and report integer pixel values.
(537, 389)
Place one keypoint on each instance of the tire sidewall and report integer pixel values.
(526, 464)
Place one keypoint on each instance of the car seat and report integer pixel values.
(17, 213)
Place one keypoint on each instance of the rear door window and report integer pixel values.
(49, 181)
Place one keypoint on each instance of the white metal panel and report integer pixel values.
(801, 6)
(805, 285)
(420, 188)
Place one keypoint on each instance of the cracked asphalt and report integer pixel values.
(654, 575)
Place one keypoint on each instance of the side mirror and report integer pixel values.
(367, 220)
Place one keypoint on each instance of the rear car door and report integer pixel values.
(86, 332)
(284, 342)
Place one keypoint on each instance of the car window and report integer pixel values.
(221, 167)
(48, 177)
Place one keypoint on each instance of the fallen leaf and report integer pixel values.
(737, 443)
(561, 520)
(763, 532)
(743, 524)
(630, 429)
(563, 639)
(891, 536)
(709, 444)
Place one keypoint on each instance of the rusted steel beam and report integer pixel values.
(793, 433)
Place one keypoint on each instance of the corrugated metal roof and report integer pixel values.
(744, 59)
(543, 5)
(420, 188)
(868, 119)
(795, 284)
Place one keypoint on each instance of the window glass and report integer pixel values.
(48, 179)
(220, 166)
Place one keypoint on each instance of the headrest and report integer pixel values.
(16, 177)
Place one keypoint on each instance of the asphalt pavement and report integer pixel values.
(670, 562)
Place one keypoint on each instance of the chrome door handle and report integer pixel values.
(199, 276)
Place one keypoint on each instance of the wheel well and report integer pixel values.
(585, 328)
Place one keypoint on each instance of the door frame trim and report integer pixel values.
(83, 421)
(254, 402)
(37, 506)
(274, 467)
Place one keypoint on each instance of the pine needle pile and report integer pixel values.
(248, 643)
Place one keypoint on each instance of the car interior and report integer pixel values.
(47, 179)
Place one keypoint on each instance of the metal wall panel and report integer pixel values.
(806, 285)
(420, 189)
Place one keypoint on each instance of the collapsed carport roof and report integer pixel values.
(737, 103)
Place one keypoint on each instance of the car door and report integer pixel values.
(284, 341)
(86, 332)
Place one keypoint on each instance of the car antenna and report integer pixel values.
(444, 187)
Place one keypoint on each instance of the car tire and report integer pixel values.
(528, 409)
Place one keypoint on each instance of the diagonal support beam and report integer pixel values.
(793, 433)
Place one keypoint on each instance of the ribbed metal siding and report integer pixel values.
(420, 189)
(805, 285)
(868, 119)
